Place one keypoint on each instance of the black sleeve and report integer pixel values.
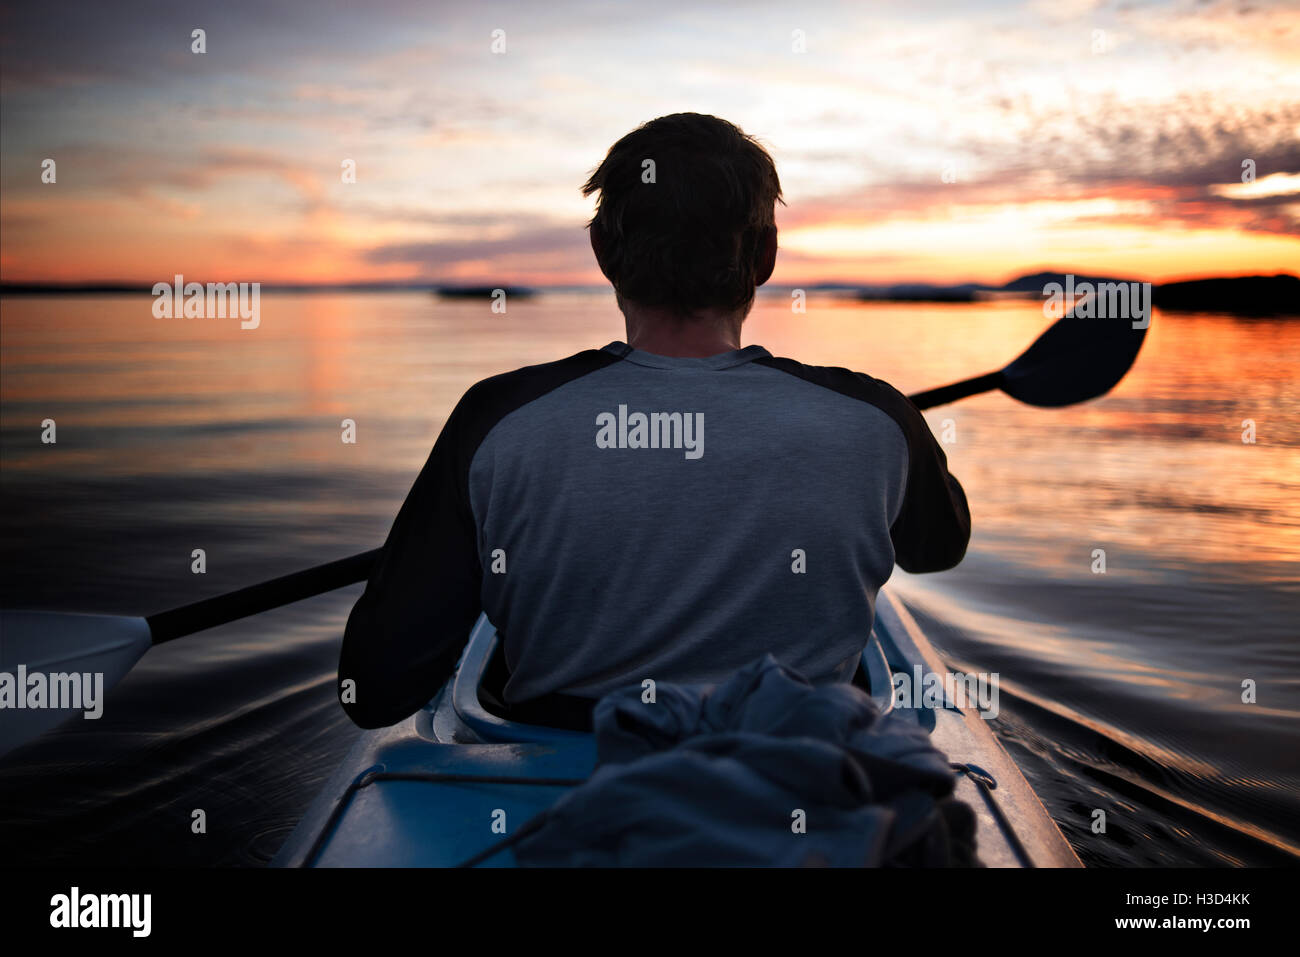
(409, 627)
(933, 526)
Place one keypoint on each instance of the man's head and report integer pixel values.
(685, 221)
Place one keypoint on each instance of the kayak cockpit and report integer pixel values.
(482, 665)
(452, 781)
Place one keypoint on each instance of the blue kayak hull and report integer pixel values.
(451, 782)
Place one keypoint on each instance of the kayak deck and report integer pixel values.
(427, 791)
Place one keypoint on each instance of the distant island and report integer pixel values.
(1244, 295)
(921, 292)
(1240, 295)
(483, 292)
(1031, 284)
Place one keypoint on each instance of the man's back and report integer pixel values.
(670, 511)
(621, 515)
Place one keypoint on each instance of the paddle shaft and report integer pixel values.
(264, 596)
(210, 612)
(958, 390)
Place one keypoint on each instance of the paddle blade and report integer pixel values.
(1074, 360)
(63, 664)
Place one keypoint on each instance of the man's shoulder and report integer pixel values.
(489, 400)
(846, 382)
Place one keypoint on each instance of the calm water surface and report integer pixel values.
(1120, 692)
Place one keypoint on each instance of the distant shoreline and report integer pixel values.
(1259, 296)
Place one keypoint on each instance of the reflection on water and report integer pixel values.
(1121, 691)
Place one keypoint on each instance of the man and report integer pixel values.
(671, 507)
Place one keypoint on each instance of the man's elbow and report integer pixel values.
(380, 689)
(937, 553)
(370, 718)
(939, 558)
(369, 704)
(364, 691)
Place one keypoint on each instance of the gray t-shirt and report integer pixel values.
(621, 515)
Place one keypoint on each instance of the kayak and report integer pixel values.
(447, 785)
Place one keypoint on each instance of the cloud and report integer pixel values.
(471, 161)
(565, 246)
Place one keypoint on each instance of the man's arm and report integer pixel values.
(933, 526)
(410, 625)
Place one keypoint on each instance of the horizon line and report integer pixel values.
(429, 285)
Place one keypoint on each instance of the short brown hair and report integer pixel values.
(690, 239)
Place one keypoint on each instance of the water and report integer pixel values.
(1120, 692)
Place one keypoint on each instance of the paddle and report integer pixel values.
(53, 642)
(1074, 360)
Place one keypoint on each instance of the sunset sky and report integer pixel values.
(1082, 135)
